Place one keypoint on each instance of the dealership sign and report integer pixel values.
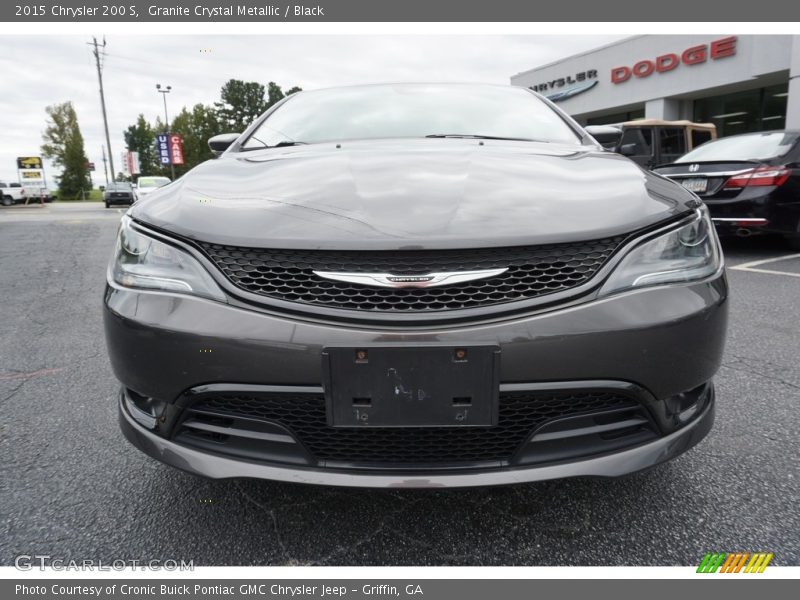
(130, 160)
(29, 162)
(176, 149)
(170, 149)
(560, 82)
(694, 55)
(30, 170)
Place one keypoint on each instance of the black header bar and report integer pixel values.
(711, 11)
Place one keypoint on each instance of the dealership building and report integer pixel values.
(740, 83)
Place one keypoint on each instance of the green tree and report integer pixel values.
(240, 103)
(63, 144)
(140, 137)
(195, 127)
(275, 93)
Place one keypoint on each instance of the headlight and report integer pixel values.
(143, 262)
(687, 253)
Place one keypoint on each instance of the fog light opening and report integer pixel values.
(687, 405)
(143, 409)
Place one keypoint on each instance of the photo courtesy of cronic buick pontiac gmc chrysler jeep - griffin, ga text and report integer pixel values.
(416, 285)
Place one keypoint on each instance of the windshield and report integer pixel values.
(119, 186)
(751, 146)
(152, 182)
(412, 110)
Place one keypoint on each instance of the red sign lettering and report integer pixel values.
(667, 62)
(620, 74)
(695, 55)
(643, 68)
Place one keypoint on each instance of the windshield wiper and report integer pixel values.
(471, 136)
(285, 143)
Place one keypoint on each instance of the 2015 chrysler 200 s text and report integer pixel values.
(416, 285)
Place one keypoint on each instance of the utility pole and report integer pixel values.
(105, 168)
(99, 49)
(164, 93)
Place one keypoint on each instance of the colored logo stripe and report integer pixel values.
(734, 562)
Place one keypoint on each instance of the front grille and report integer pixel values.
(304, 415)
(533, 271)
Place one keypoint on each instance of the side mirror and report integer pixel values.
(220, 143)
(607, 136)
(628, 150)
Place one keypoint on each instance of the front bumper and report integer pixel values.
(609, 465)
(663, 341)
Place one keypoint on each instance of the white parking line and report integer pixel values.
(751, 266)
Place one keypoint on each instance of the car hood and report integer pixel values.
(413, 194)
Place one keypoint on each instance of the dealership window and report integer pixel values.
(743, 112)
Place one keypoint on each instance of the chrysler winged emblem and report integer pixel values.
(410, 281)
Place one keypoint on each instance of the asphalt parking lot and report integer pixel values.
(73, 488)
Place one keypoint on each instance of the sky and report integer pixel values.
(38, 71)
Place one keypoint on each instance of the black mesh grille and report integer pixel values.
(304, 415)
(533, 271)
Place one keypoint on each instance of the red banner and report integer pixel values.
(176, 149)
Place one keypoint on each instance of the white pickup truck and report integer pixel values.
(11, 193)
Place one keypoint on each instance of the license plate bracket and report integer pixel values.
(427, 385)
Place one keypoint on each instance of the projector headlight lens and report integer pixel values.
(144, 262)
(687, 253)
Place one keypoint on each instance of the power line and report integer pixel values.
(99, 57)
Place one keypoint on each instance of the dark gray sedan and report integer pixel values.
(416, 286)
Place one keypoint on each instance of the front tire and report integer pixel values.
(108, 205)
(8, 201)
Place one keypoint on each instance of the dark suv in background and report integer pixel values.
(119, 192)
(416, 285)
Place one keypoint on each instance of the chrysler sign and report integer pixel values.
(560, 82)
(694, 55)
(562, 88)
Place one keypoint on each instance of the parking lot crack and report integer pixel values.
(381, 527)
(747, 367)
(14, 391)
(288, 559)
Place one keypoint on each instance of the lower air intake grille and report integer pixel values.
(305, 417)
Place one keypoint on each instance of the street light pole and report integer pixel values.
(164, 93)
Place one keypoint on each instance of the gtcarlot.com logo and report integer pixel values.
(28, 562)
(734, 562)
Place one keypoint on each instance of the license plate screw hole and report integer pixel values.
(460, 355)
(362, 356)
